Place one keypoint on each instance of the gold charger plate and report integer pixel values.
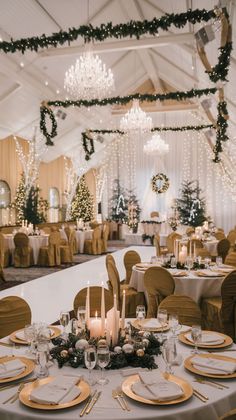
(188, 365)
(186, 387)
(180, 274)
(228, 341)
(14, 339)
(136, 324)
(213, 274)
(28, 363)
(24, 396)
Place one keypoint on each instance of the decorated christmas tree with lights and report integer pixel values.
(82, 204)
(134, 211)
(191, 206)
(20, 200)
(118, 203)
(35, 207)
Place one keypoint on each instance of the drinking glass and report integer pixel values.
(81, 317)
(162, 318)
(103, 359)
(29, 332)
(153, 260)
(64, 321)
(90, 360)
(140, 312)
(173, 262)
(189, 263)
(174, 323)
(41, 370)
(169, 354)
(196, 334)
(219, 261)
(207, 262)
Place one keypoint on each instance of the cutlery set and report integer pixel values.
(118, 395)
(15, 396)
(90, 403)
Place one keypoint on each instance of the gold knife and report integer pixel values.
(87, 403)
(94, 400)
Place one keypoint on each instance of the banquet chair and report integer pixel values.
(50, 255)
(154, 214)
(223, 247)
(232, 237)
(170, 241)
(67, 250)
(95, 300)
(93, 224)
(2, 276)
(190, 231)
(159, 250)
(158, 283)
(187, 310)
(230, 415)
(132, 297)
(231, 259)
(23, 253)
(130, 259)
(15, 313)
(113, 230)
(94, 246)
(4, 252)
(195, 243)
(219, 235)
(219, 313)
(105, 234)
(203, 253)
(47, 230)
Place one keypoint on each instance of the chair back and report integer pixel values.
(113, 280)
(171, 239)
(219, 235)
(156, 243)
(154, 214)
(15, 313)
(231, 259)
(21, 240)
(203, 252)
(94, 224)
(2, 249)
(228, 307)
(95, 300)
(130, 259)
(231, 415)
(54, 241)
(190, 231)
(223, 247)
(232, 237)
(194, 243)
(187, 310)
(2, 277)
(105, 232)
(158, 283)
(47, 230)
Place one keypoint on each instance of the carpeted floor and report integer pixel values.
(15, 276)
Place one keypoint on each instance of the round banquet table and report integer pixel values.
(220, 401)
(34, 241)
(191, 285)
(81, 236)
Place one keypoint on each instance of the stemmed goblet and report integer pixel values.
(90, 360)
(103, 359)
(64, 321)
(196, 334)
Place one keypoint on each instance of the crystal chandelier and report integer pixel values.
(156, 146)
(136, 120)
(89, 78)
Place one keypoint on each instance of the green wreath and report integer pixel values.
(160, 183)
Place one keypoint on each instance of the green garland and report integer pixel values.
(165, 185)
(45, 111)
(220, 70)
(88, 145)
(132, 29)
(65, 352)
(221, 131)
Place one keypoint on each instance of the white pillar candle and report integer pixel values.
(190, 248)
(87, 307)
(123, 311)
(95, 326)
(103, 311)
(194, 250)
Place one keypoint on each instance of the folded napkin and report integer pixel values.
(61, 390)
(152, 387)
(208, 273)
(12, 368)
(207, 338)
(150, 323)
(214, 366)
(178, 273)
(21, 334)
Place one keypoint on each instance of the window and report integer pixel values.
(5, 194)
(54, 199)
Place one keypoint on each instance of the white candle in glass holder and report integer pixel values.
(87, 306)
(190, 248)
(95, 326)
(123, 311)
(103, 311)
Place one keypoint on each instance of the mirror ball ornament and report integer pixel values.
(128, 348)
(118, 349)
(140, 352)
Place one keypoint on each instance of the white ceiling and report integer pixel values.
(23, 88)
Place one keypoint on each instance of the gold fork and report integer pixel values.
(14, 397)
(121, 395)
(116, 397)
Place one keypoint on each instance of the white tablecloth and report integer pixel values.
(34, 241)
(135, 239)
(220, 401)
(81, 236)
(192, 285)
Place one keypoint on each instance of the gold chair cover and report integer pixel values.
(154, 214)
(223, 247)
(2, 277)
(190, 231)
(231, 259)
(170, 241)
(158, 283)
(15, 313)
(95, 300)
(105, 234)
(94, 246)
(232, 237)
(113, 230)
(130, 259)
(203, 252)
(67, 250)
(23, 253)
(219, 235)
(187, 310)
(4, 252)
(231, 415)
(50, 255)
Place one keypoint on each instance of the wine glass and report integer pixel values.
(90, 360)
(196, 334)
(140, 312)
(173, 262)
(42, 358)
(174, 323)
(169, 354)
(189, 263)
(64, 321)
(29, 333)
(162, 319)
(103, 359)
(219, 261)
(81, 312)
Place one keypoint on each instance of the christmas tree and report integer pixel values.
(118, 203)
(20, 200)
(134, 211)
(191, 207)
(82, 204)
(35, 207)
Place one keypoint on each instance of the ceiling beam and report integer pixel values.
(160, 108)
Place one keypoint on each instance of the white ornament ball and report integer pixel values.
(117, 349)
(81, 344)
(146, 334)
(128, 348)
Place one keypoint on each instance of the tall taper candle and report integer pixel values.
(123, 311)
(87, 307)
(103, 311)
